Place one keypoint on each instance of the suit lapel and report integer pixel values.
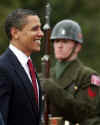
(24, 78)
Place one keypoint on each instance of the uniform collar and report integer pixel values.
(60, 67)
(69, 74)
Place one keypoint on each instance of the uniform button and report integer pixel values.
(76, 87)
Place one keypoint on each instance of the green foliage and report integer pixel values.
(86, 12)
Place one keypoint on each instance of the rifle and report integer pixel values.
(46, 59)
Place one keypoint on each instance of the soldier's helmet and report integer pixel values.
(67, 29)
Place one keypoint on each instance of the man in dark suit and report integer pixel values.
(18, 102)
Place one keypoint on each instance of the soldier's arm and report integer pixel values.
(66, 103)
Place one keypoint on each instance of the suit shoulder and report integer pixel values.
(85, 72)
(4, 62)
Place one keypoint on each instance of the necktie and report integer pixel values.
(33, 76)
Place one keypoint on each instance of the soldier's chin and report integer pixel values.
(37, 49)
(59, 58)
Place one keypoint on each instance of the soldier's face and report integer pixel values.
(63, 48)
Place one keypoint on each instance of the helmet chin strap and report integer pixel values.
(72, 52)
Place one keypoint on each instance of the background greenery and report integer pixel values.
(86, 12)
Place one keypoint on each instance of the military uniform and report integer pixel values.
(74, 93)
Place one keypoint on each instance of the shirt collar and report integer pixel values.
(22, 58)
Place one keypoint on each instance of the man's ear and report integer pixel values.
(78, 48)
(14, 33)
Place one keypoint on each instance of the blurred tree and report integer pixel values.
(83, 11)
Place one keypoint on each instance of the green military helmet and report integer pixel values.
(67, 29)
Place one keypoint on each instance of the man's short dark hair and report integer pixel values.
(17, 19)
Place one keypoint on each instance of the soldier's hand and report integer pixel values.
(45, 82)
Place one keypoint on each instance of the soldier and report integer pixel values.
(73, 90)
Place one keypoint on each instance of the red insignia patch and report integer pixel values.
(95, 80)
(91, 93)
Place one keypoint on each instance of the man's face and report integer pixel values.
(63, 48)
(28, 39)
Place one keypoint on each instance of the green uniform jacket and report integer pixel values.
(73, 96)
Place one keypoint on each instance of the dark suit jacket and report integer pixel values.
(17, 100)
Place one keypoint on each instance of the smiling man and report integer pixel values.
(20, 91)
(73, 90)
